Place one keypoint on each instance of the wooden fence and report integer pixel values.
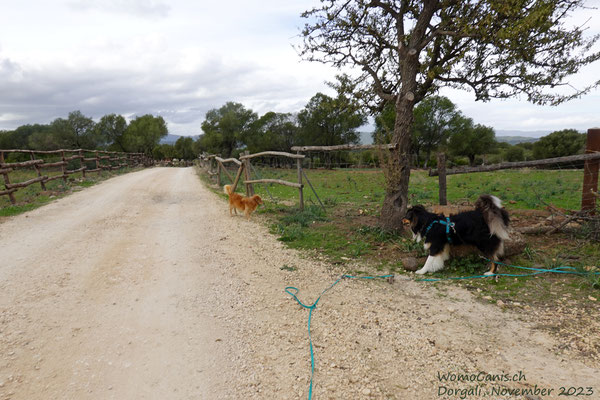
(327, 163)
(591, 160)
(215, 165)
(244, 166)
(208, 163)
(221, 167)
(103, 160)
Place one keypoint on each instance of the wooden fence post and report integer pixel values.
(63, 167)
(300, 189)
(590, 171)
(249, 186)
(237, 177)
(82, 163)
(219, 174)
(441, 167)
(5, 171)
(37, 169)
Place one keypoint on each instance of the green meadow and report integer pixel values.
(345, 230)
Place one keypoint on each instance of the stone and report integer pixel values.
(410, 263)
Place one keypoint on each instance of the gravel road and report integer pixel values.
(143, 287)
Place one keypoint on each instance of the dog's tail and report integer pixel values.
(227, 189)
(496, 217)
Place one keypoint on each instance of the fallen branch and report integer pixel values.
(564, 223)
(535, 229)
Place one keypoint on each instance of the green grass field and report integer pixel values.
(519, 189)
(346, 232)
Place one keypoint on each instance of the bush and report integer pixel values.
(514, 154)
(559, 144)
(458, 161)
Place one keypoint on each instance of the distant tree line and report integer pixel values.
(440, 126)
(324, 121)
(228, 130)
(78, 131)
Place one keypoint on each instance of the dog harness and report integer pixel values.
(443, 222)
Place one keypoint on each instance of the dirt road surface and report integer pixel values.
(143, 287)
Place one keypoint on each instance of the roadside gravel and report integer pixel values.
(144, 287)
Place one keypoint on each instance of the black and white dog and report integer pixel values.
(485, 228)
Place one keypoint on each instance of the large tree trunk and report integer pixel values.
(397, 170)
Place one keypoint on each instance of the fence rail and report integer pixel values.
(591, 160)
(116, 160)
(344, 147)
(591, 167)
(245, 167)
(519, 164)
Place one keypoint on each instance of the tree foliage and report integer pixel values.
(225, 127)
(22, 137)
(164, 151)
(273, 131)
(559, 143)
(471, 140)
(384, 124)
(144, 133)
(328, 121)
(407, 49)
(436, 117)
(111, 130)
(514, 153)
(184, 148)
(75, 132)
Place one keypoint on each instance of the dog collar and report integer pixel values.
(443, 222)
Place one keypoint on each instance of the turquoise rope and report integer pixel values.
(289, 290)
(565, 269)
(559, 270)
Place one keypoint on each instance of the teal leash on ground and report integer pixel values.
(565, 269)
(292, 291)
(537, 271)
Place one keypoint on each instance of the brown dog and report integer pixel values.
(245, 204)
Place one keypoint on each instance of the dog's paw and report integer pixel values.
(489, 273)
(422, 271)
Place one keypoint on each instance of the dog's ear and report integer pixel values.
(414, 210)
(409, 216)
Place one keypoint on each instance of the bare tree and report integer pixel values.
(407, 49)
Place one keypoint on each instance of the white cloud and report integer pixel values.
(137, 8)
(181, 58)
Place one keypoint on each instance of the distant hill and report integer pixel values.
(171, 139)
(516, 139)
(527, 136)
(512, 136)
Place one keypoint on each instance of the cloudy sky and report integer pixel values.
(180, 58)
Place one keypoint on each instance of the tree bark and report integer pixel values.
(397, 170)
